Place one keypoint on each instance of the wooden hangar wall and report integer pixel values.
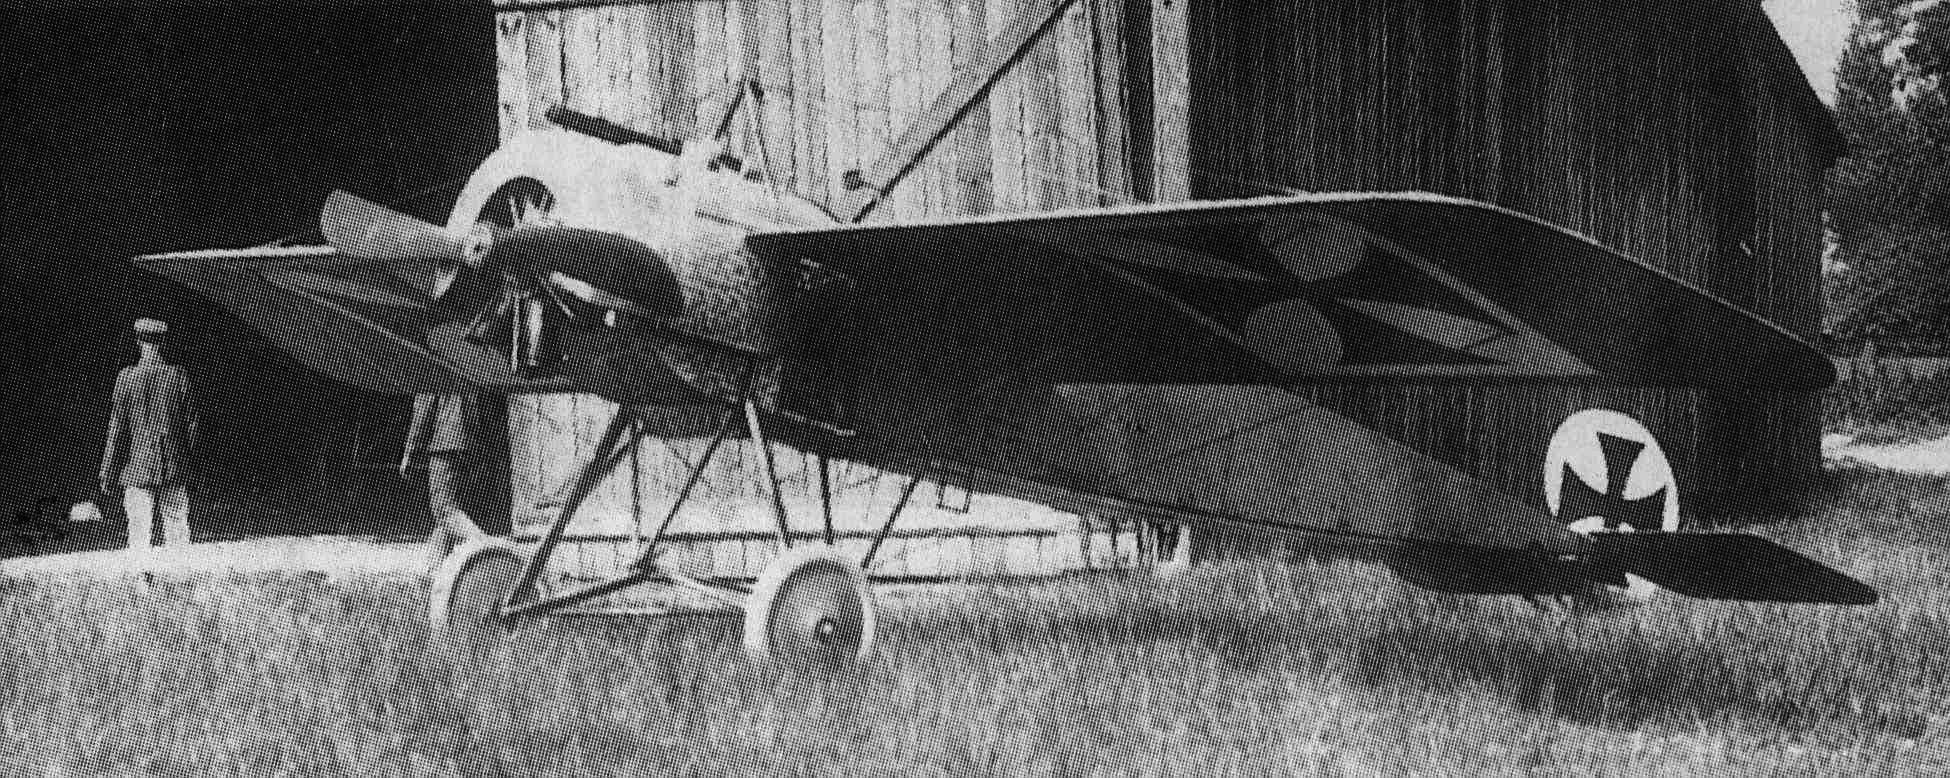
(841, 79)
(1673, 132)
(1677, 132)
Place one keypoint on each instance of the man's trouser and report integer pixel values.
(145, 505)
(447, 473)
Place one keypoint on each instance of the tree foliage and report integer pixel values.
(1889, 199)
(1918, 53)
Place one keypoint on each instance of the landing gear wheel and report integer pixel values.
(812, 607)
(465, 601)
(1605, 472)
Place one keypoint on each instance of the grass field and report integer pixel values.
(1230, 669)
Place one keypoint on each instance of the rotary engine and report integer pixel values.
(617, 267)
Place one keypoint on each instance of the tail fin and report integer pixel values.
(1721, 566)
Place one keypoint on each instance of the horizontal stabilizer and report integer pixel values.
(1725, 566)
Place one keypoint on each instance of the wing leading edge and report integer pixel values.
(1344, 287)
(365, 322)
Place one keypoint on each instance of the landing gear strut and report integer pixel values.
(811, 607)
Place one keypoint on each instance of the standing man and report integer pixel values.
(446, 428)
(151, 429)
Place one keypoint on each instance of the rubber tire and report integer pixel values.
(468, 587)
(797, 595)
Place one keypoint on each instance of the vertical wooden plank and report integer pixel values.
(903, 38)
(524, 461)
(542, 437)
(556, 449)
(620, 489)
(741, 62)
(1516, 104)
(582, 80)
(545, 51)
(1006, 131)
(1112, 111)
(650, 479)
(1075, 50)
(769, 25)
(677, 47)
(628, 59)
(511, 73)
(932, 70)
(571, 444)
(618, 55)
(935, 67)
(1043, 153)
(842, 113)
(1171, 100)
(709, 62)
(808, 98)
(1251, 100)
(1487, 51)
(585, 418)
(973, 171)
(870, 72)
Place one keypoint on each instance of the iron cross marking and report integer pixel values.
(1258, 278)
(1580, 500)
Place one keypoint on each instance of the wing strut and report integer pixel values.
(865, 189)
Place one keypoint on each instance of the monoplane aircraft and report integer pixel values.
(1004, 352)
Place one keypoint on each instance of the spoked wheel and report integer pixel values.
(812, 608)
(465, 602)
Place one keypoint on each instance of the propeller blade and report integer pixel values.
(362, 228)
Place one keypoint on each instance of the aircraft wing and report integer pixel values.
(364, 322)
(1305, 289)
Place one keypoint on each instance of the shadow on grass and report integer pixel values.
(1673, 664)
(1626, 680)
